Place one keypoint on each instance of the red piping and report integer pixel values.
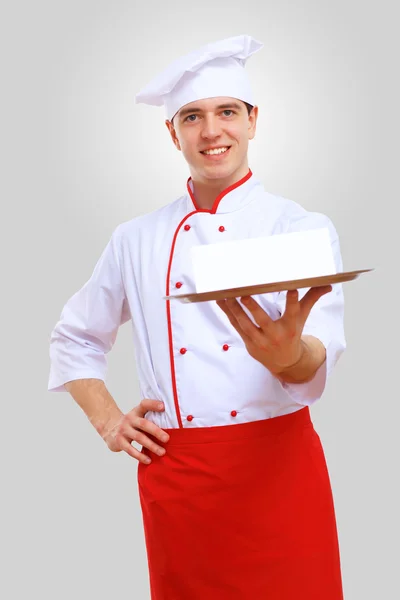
(220, 196)
(171, 346)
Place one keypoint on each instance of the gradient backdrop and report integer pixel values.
(79, 158)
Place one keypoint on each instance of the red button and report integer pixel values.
(178, 284)
(190, 417)
(183, 350)
(225, 347)
(234, 413)
(222, 228)
(187, 227)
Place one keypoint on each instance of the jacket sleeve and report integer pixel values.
(89, 323)
(325, 320)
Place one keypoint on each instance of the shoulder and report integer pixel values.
(294, 217)
(149, 221)
(300, 219)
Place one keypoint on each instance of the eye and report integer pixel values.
(228, 110)
(190, 119)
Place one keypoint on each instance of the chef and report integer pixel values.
(234, 488)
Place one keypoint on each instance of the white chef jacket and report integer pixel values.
(189, 355)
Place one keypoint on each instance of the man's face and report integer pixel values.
(213, 135)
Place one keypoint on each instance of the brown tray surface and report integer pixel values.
(265, 288)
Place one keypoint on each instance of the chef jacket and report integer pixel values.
(188, 354)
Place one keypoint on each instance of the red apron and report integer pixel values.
(241, 512)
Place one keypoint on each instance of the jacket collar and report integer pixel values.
(229, 200)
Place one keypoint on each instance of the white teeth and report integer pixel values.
(216, 151)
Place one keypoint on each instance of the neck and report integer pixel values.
(206, 191)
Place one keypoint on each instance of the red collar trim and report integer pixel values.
(220, 196)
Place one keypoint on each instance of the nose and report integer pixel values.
(211, 127)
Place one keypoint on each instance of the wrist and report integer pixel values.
(312, 357)
(103, 425)
(289, 368)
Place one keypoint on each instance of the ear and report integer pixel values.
(253, 122)
(173, 135)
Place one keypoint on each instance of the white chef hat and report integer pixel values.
(216, 69)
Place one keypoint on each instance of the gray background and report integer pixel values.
(78, 158)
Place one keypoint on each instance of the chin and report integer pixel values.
(217, 173)
(221, 172)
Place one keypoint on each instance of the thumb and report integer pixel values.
(311, 297)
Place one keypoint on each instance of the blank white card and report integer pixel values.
(255, 261)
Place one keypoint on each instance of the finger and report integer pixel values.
(135, 435)
(260, 316)
(292, 307)
(311, 297)
(129, 449)
(245, 323)
(153, 405)
(147, 426)
(232, 319)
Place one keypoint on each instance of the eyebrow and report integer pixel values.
(190, 111)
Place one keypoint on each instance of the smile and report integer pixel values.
(216, 151)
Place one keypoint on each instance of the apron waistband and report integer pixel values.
(226, 433)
